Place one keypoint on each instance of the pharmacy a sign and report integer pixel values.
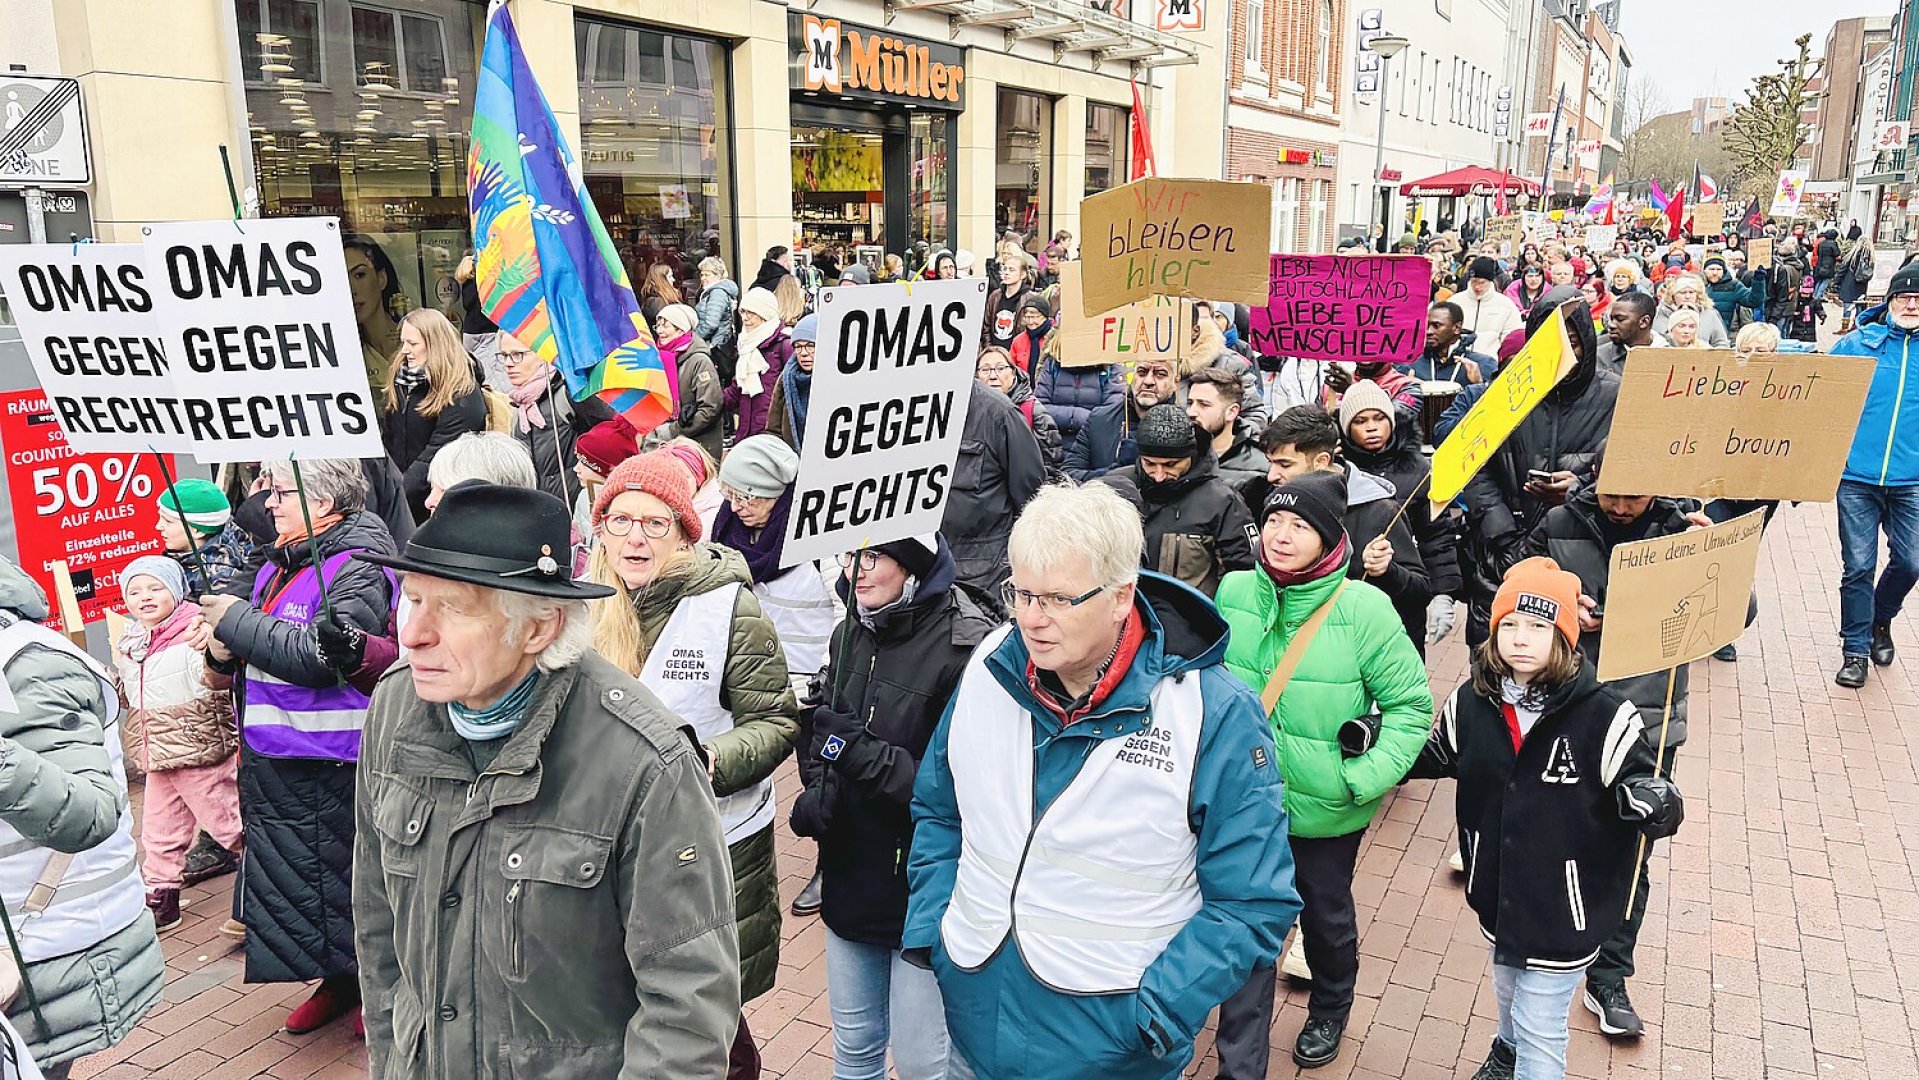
(43, 135)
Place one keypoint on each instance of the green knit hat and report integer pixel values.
(199, 503)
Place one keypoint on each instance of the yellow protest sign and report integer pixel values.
(1546, 358)
(1207, 239)
(1158, 327)
(1675, 599)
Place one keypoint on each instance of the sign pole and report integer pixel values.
(313, 542)
(193, 553)
(1659, 770)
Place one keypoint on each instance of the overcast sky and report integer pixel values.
(1713, 48)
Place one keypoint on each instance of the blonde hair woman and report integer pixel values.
(1688, 292)
(1682, 330)
(792, 300)
(432, 397)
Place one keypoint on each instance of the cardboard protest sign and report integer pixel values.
(1200, 238)
(93, 511)
(1759, 252)
(1716, 425)
(1158, 327)
(85, 313)
(261, 340)
(1360, 308)
(1708, 219)
(891, 384)
(1675, 599)
(1522, 384)
(1508, 232)
(1600, 238)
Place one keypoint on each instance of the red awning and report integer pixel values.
(1471, 180)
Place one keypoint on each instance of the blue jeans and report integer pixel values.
(878, 998)
(1864, 510)
(1532, 1018)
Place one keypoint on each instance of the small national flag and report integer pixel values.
(547, 271)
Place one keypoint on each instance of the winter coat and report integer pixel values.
(1549, 857)
(386, 496)
(1712, 331)
(1728, 295)
(1000, 1017)
(1463, 366)
(1878, 457)
(564, 912)
(551, 447)
(1490, 317)
(1360, 663)
(756, 690)
(750, 411)
(295, 883)
(702, 396)
(998, 469)
(63, 789)
(1252, 402)
(1856, 272)
(1105, 442)
(221, 556)
(1197, 530)
(769, 276)
(1245, 460)
(859, 803)
(178, 715)
(1405, 468)
(998, 316)
(1071, 394)
(715, 310)
(1825, 259)
(1044, 428)
(1575, 537)
(1787, 272)
(1372, 504)
(778, 424)
(413, 438)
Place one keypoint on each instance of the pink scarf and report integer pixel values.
(670, 358)
(527, 396)
(1331, 562)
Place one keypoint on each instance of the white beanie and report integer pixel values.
(679, 315)
(1362, 395)
(762, 303)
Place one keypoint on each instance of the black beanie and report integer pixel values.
(915, 554)
(1486, 268)
(1166, 432)
(1904, 280)
(1317, 497)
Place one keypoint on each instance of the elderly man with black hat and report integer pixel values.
(540, 884)
(1197, 529)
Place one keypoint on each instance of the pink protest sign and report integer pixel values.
(1365, 309)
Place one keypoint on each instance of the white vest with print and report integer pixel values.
(101, 893)
(804, 611)
(685, 670)
(1093, 891)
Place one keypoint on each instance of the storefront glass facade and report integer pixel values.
(1023, 169)
(1108, 153)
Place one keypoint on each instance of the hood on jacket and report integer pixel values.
(929, 593)
(1584, 335)
(20, 594)
(1022, 386)
(1404, 442)
(1664, 513)
(1363, 487)
(730, 287)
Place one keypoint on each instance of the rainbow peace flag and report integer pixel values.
(547, 271)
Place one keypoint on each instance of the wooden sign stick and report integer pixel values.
(1659, 770)
(67, 603)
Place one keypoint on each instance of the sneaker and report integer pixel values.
(1727, 653)
(165, 905)
(1499, 1064)
(808, 901)
(234, 928)
(1456, 861)
(1608, 1001)
(1882, 648)
(1852, 673)
(324, 1007)
(1318, 1042)
(207, 860)
(1294, 963)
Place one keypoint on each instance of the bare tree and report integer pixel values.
(1643, 102)
(1765, 133)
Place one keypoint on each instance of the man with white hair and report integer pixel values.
(1087, 903)
(540, 883)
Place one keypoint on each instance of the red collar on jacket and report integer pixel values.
(1124, 650)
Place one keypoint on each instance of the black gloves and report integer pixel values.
(342, 645)
(834, 731)
(1356, 736)
(812, 813)
(1653, 805)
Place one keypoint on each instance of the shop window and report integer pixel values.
(1023, 166)
(280, 41)
(930, 202)
(1108, 155)
(656, 147)
(394, 50)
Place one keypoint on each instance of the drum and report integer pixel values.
(1435, 397)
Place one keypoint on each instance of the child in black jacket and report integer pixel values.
(1556, 784)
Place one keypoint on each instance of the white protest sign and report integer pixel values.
(1600, 238)
(263, 348)
(85, 313)
(892, 379)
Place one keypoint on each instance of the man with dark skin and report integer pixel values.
(1445, 359)
(1628, 325)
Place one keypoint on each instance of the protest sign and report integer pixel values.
(262, 345)
(1507, 232)
(1787, 193)
(1708, 219)
(1759, 252)
(1521, 385)
(1201, 238)
(95, 511)
(1600, 238)
(1716, 425)
(85, 313)
(891, 385)
(1158, 327)
(1675, 599)
(1360, 308)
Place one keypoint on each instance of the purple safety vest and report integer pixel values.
(286, 720)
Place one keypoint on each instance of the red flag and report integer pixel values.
(1499, 201)
(1675, 214)
(1609, 213)
(1143, 164)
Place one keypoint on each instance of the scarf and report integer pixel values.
(408, 378)
(526, 396)
(670, 359)
(1526, 702)
(906, 599)
(1328, 563)
(748, 375)
(301, 533)
(498, 720)
(761, 547)
(141, 641)
(799, 393)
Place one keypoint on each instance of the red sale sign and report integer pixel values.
(96, 511)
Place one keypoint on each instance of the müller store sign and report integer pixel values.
(856, 63)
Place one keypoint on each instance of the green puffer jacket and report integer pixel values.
(1360, 662)
(766, 723)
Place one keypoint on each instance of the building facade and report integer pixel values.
(1285, 73)
(1835, 127)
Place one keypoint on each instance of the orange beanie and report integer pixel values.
(1539, 588)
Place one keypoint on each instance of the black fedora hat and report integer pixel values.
(508, 538)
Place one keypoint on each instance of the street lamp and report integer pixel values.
(1385, 46)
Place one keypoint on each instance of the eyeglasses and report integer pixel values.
(994, 369)
(739, 498)
(803, 346)
(869, 560)
(653, 528)
(1052, 604)
(279, 494)
(520, 357)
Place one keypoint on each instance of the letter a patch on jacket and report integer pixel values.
(1560, 768)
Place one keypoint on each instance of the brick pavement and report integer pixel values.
(1782, 939)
